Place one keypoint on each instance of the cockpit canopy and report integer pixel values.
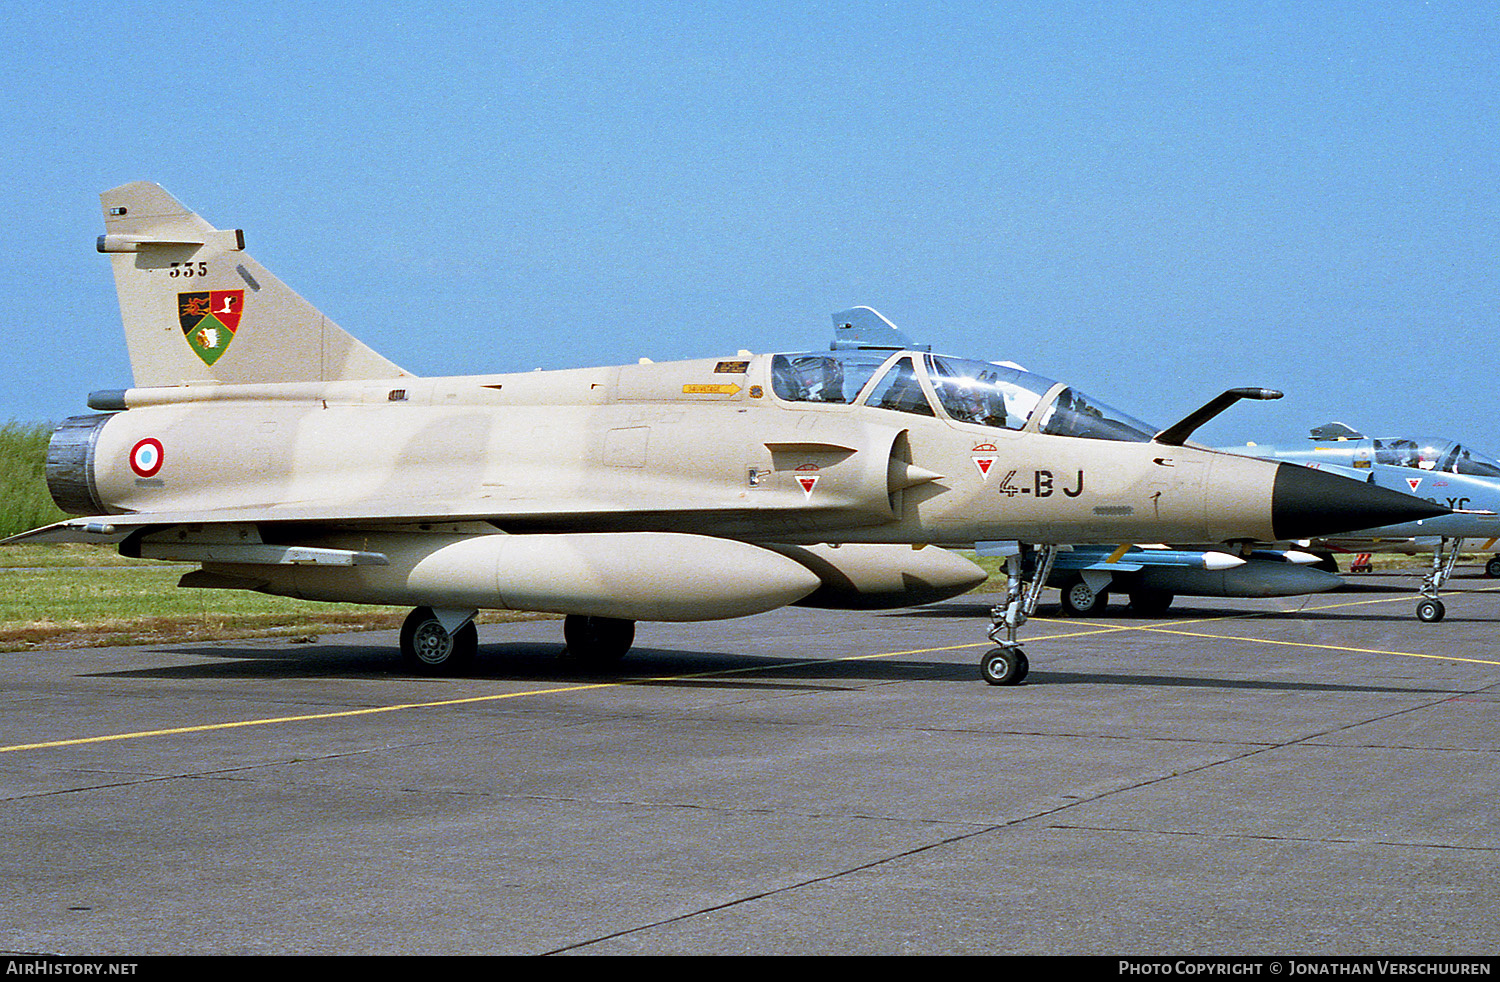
(1435, 455)
(976, 392)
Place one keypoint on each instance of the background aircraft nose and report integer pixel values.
(1305, 503)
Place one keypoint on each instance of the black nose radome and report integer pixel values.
(1306, 503)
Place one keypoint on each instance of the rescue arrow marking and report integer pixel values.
(984, 458)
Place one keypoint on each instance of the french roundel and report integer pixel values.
(146, 457)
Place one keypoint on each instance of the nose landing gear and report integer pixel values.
(1007, 664)
(1430, 609)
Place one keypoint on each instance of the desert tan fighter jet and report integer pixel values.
(280, 453)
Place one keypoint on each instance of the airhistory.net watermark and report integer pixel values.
(39, 966)
(1304, 966)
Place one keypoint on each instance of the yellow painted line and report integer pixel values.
(897, 654)
(1353, 603)
(1328, 647)
(471, 700)
(367, 711)
(1297, 644)
(1390, 600)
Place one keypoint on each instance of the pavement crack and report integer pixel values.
(1267, 837)
(57, 792)
(764, 894)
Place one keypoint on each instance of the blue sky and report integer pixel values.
(1154, 201)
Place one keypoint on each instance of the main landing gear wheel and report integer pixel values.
(597, 642)
(1004, 666)
(1080, 600)
(1430, 611)
(1492, 568)
(426, 645)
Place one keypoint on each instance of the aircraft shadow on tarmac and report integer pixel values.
(664, 668)
(545, 663)
(1120, 613)
(1389, 586)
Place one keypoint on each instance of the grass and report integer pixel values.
(47, 557)
(88, 596)
(81, 595)
(24, 500)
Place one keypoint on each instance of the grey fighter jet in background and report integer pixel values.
(265, 443)
(1152, 576)
(1440, 471)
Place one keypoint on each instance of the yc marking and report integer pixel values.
(146, 457)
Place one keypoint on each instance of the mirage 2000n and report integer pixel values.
(266, 444)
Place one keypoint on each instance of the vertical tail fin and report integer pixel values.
(197, 308)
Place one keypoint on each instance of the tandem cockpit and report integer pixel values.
(1338, 443)
(1443, 456)
(977, 392)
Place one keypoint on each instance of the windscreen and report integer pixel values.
(985, 393)
(1074, 414)
(1466, 461)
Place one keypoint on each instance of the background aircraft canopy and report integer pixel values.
(1436, 455)
(978, 392)
(1442, 456)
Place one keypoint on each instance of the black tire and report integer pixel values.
(1492, 568)
(1004, 666)
(1150, 603)
(427, 647)
(1430, 611)
(597, 642)
(1078, 600)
